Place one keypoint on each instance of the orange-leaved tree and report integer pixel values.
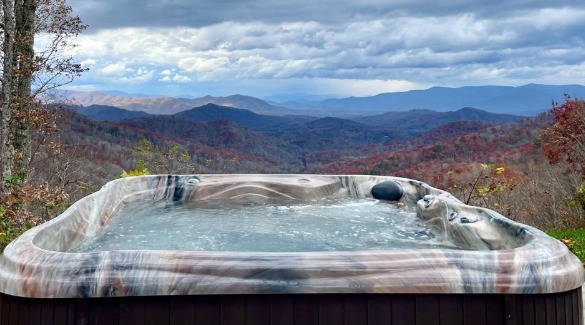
(564, 141)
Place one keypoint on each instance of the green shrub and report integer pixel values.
(573, 238)
(140, 170)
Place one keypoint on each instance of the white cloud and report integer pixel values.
(114, 69)
(141, 75)
(181, 79)
(176, 78)
(203, 65)
(391, 51)
(125, 72)
(90, 46)
(88, 62)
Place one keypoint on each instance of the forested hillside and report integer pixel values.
(320, 145)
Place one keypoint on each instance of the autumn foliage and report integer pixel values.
(565, 140)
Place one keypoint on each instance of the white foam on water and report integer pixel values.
(340, 224)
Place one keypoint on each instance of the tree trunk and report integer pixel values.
(6, 148)
(21, 128)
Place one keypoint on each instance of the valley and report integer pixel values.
(298, 143)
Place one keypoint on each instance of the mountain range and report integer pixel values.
(169, 105)
(108, 113)
(417, 143)
(227, 139)
(527, 100)
(266, 137)
(407, 122)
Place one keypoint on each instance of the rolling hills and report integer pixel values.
(169, 105)
(404, 122)
(527, 100)
(291, 143)
(108, 113)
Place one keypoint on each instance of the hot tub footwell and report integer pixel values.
(303, 309)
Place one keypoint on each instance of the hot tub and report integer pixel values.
(481, 268)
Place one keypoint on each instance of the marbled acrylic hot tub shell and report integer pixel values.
(497, 255)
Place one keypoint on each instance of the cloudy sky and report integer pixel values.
(326, 47)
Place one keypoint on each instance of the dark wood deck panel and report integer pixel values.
(301, 309)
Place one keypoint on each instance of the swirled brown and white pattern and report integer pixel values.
(497, 255)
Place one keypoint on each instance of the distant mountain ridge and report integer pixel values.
(246, 131)
(526, 100)
(412, 121)
(108, 113)
(244, 117)
(169, 105)
(424, 119)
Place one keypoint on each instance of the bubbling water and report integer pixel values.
(340, 224)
